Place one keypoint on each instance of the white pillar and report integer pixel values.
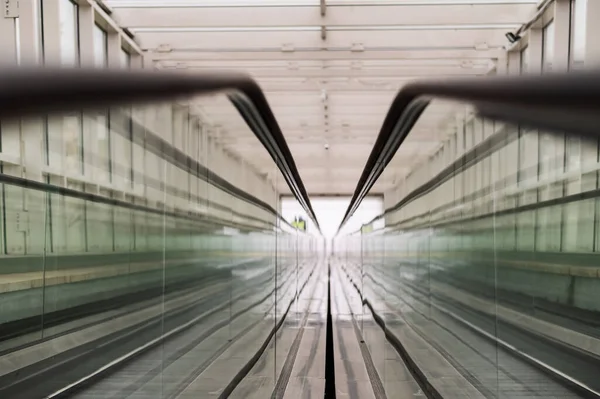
(23, 139)
(86, 36)
(32, 128)
(52, 57)
(8, 49)
(30, 32)
(51, 29)
(11, 134)
(502, 64)
(535, 51)
(94, 167)
(592, 33)
(8, 41)
(137, 61)
(514, 62)
(562, 34)
(120, 146)
(147, 62)
(114, 50)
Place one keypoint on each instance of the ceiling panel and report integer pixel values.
(340, 15)
(400, 39)
(329, 74)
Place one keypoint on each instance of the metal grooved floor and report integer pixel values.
(256, 348)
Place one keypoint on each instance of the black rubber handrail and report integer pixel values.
(202, 219)
(26, 91)
(556, 102)
(154, 143)
(470, 157)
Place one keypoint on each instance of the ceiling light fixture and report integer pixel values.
(357, 47)
(164, 48)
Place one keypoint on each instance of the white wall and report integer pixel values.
(330, 212)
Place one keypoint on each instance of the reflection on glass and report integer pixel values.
(195, 252)
(100, 47)
(38, 31)
(578, 32)
(525, 60)
(492, 264)
(573, 154)
(548, 47)
(103, 136)
(69, 32)
(125, 58)
(18, 40)
(72, 136)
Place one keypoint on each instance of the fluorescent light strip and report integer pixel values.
(299, 3)
(331, 49)
(329, 28)
(229, 29)
(421, 27)
(207, 3)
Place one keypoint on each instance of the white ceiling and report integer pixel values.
(330, 69)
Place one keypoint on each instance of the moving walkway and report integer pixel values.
(480, 281)
(175, 276)
(483, 272)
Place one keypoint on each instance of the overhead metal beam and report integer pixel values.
(323, 6)
(318, 163)
(337, 188)
(310, 149)
(369, 40)
(435, 53)
(299, 65)
(365, 123)
(366, 103)
(340, 121)
(114, 26)
(331, 141)
(336, 15)
(311, 135)
(353, 85)
(359, 51)
(335, 139)
(337, 107)
(350, 169)
(338, 73)
(331, 87)
(311, 116)
(314, 136)
(362, 121)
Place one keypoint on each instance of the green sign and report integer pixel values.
(299, 223)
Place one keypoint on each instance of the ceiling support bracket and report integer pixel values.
(323, 15)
